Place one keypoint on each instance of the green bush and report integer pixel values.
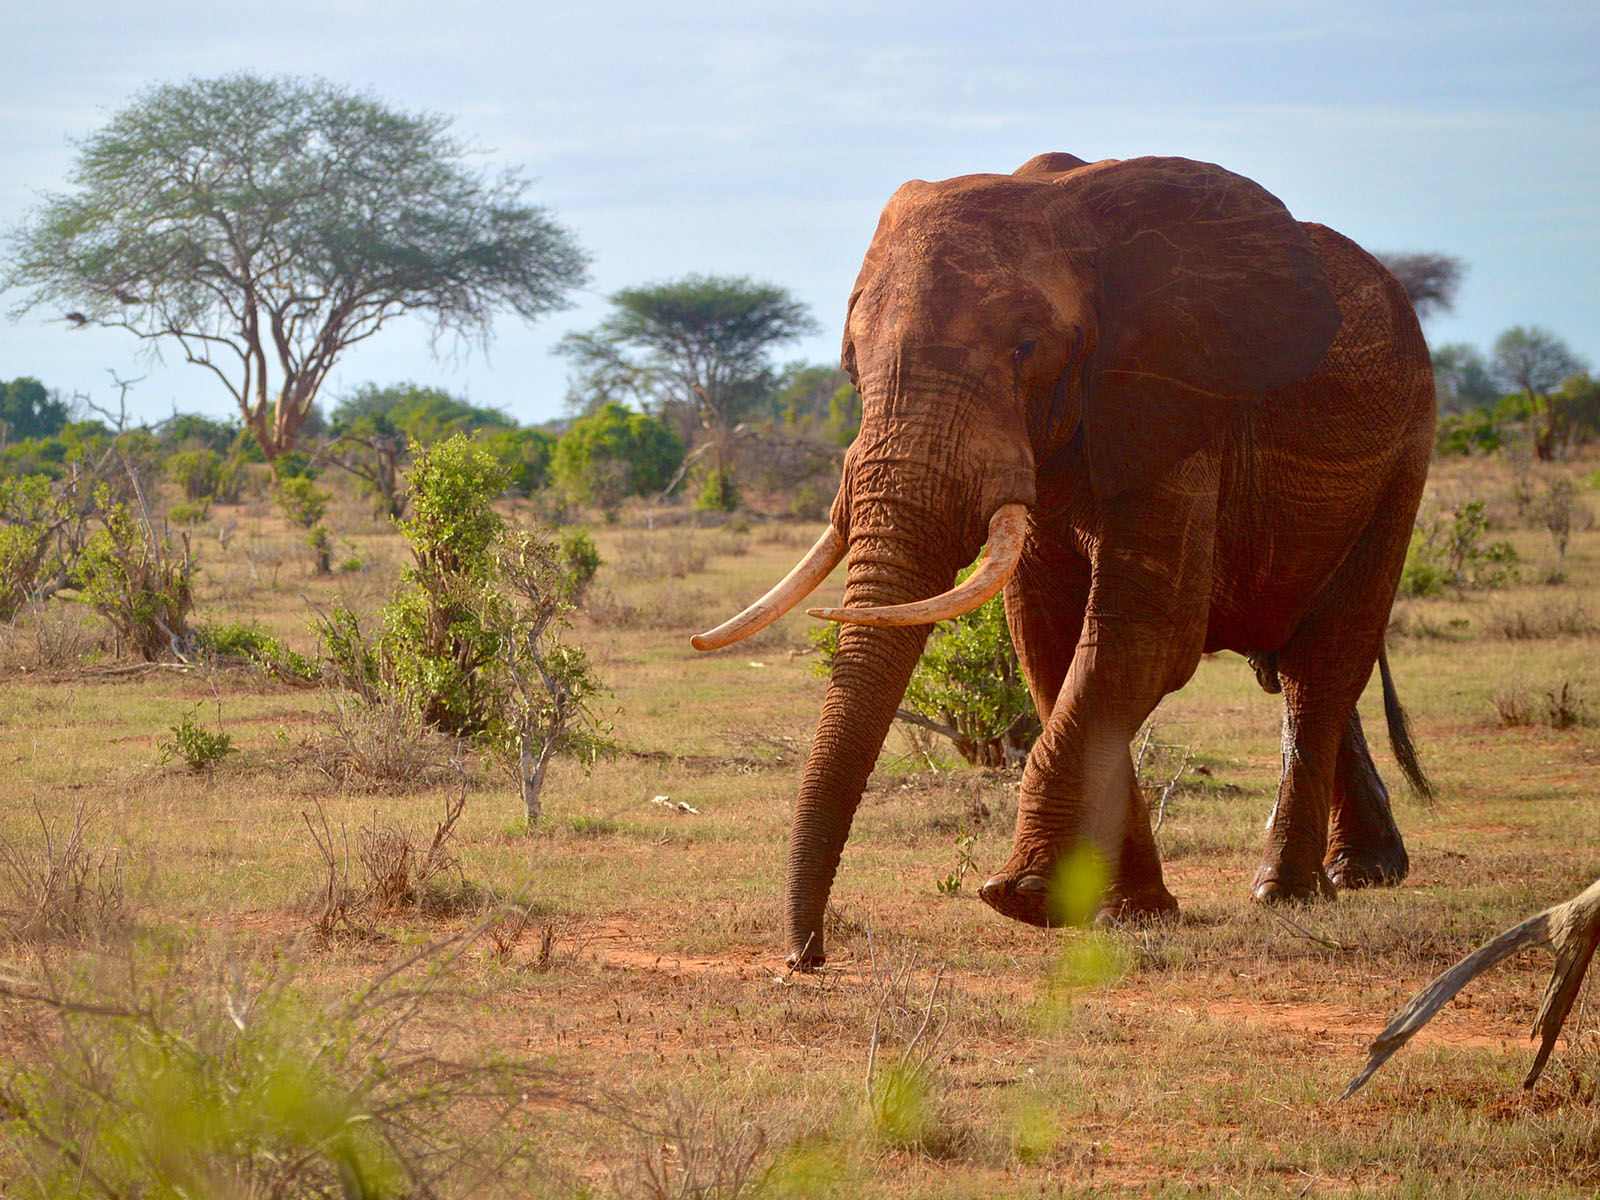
(580, 559)
(524, 454)
(32, 507)
(189, 512)
(469, 639)
(1475, 432)
(301, 500)
(240, 642)
(198, 746)
(206, 475)
(141, 582)
(612, 454)
(1448, 550)
(967, 687)
(718, 492)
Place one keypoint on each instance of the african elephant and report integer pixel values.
(1184, 422)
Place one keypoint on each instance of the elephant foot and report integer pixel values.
(1024, 898)
(1357, 867)
(1277, 884)
(1027, 898)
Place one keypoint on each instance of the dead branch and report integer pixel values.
(1572, 929)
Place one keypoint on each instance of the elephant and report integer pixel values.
(1183, 422)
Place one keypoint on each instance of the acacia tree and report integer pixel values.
(265, 225)
(1430, 280)
(1536, 362)
(692, 351)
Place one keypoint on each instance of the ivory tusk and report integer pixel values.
(794, 587)
(1007, 529)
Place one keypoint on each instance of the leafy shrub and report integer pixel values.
(198, 746)
(1448, 550)
(140, 582)
(718, 492)
(31, 510)
(1479, 431)
(580, 559)
(524, 455)
(207, 475)
(294, 464)
(301, 500)
(967, 687)
(189, 512)
(612, 454)
(468, 640)
(253, 644)
(158, 1077)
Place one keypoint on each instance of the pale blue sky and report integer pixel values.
(762, 139)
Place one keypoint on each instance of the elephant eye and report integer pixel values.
(1023, 348)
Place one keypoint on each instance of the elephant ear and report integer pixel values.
(1211, 297)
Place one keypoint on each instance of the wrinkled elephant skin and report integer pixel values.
(1219, 420)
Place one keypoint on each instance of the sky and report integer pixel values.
(762, 139)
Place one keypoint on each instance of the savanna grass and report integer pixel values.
(641, 954)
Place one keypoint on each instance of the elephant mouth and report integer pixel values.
(1007, 530)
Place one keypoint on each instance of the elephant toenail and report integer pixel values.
(994, 889)
(1033, 885)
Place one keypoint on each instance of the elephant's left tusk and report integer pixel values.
(1007, 528)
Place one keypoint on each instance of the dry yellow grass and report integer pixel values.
(646, 968)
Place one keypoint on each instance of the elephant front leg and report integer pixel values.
(1080, 806)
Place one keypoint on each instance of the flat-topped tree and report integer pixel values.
(265, 225)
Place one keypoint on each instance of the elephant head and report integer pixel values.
(1133, 309)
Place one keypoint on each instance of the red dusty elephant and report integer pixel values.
(1183, 422)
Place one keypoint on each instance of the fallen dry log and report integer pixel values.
(1571, 929)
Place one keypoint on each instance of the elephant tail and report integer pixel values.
(1405, 752)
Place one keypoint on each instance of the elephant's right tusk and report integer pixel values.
(794, 587)
(1007, 529)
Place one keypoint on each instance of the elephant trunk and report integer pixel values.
(871, 669)
(922, 481)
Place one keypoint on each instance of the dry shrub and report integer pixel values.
(905, 1107)
(266, 558)
(156, 1075)
(693, 1153)
(659, 555)
(1513, 705)
(1564, 707)
(1411, 621)
(62, 890)
(55, 637)
(382, 746)
(1555, 618)
(791, 533)
(553, 938)
(677, 609)
(731, 542)
(396, 873)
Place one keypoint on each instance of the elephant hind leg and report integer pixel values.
(1364, 845)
